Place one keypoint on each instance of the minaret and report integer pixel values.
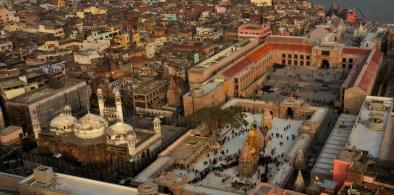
(100, 101)
(119, 109)
(36, 127)
(157, 126)
(299, 185)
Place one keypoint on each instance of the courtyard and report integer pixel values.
(319, 87)
(220, 169)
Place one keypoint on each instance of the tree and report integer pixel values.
(215, 118)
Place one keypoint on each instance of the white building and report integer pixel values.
(373, 128)
(8, 16)
(45, 181)
(261, 3)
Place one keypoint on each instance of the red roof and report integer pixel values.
(285, 39)
(263, 51)
(237, 67)
(306, 48)
(253, 57)
(368, 76)
(355, 51)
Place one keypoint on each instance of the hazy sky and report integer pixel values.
(377, 10)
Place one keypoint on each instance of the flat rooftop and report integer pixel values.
(46, 91)
(77, 185)
(8, 130)
(362, 136)
(220, 56)
(334, 144)
(150, 86)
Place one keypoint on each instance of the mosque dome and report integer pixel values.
(90, 126)
(63, 123)
(121, 133)
(119, 128)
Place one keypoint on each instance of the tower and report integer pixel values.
(36, 127)
(157, 126)
(267, 120)
(173, 96)
(100, 101)
(119, 109)
(299, 185)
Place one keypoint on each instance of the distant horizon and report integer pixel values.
(375, 10)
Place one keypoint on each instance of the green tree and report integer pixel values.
(216, 118)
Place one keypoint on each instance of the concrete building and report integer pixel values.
(12, 88)
(5, 46)
(261, 3)
(254, 31)
(337, 140)
(45, 181)
(47, 102)
(373, 129)
(150, 95)
(9, 134)
(8, 16)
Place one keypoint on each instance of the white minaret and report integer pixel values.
(119, 109)
(157, 126)
(100, 101)
(36, 127)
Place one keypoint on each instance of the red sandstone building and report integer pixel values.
(242, 68)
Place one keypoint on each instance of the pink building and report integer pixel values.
(253, 31)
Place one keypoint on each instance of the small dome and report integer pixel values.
(119, 128)
(90, 126)
(63, 123)
(122, 133)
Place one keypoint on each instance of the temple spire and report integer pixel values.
(299, 185)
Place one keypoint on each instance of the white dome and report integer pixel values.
(90, 126)
(119, 128)
(63, 123)
(122, 133)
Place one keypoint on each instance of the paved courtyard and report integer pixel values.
(318, 87)
(282, 136)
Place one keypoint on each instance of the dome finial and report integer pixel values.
(67, 109)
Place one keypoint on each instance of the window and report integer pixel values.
(350, 66)
(302, 56)
(289, 62)
(325, 53)
(295, 56)
(283, 55)
(344, 60)
(296, 62)
(289, 55)
(343, 65)
(307, 63)
(308, 57)
(301, 63)
(283, 61)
